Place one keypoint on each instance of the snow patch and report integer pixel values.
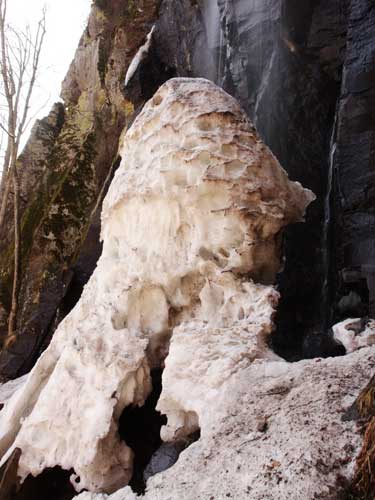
(353, 336)
(139, 57)
(270, 436)
(9, 388)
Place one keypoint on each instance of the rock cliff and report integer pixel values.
(65, 169)
(303, 74)
(303, 71)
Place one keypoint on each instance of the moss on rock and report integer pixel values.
(78, 157)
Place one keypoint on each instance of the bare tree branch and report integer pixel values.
(19, 62)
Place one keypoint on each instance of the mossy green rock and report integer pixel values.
(64, 171)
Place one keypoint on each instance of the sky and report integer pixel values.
(66, 20)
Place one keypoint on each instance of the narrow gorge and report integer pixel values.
(197, 304)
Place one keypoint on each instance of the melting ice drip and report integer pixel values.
(215, 36)
(221, 50)
(327, 225)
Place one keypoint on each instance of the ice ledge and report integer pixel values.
(277, 431)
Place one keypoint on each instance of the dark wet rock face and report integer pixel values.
(353, 248)
(164, 457)
(298, 68)
(283, 61)
(51, 484)
(304, 73)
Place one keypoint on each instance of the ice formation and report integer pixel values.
(191, 228)
(139, 57)
(8, 389)
(277, 430)
(353, 335)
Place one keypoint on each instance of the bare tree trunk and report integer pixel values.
(5, 185)
(12, 322)
(19, 62)
(5, 171)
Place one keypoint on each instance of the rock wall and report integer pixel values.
(65, 170)
(353, 245)
(299, 68)
(294, 67)
(304, 73)
(282, 60)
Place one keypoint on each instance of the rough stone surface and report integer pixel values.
(282, 60)
(166, 456)
(64, 173)
(288, 63)
(353, 243)
(304, 73)
(298, 68)
(194, 213)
